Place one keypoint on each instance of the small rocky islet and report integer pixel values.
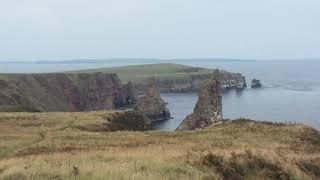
(255, 83)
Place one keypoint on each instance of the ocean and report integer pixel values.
(290, 92)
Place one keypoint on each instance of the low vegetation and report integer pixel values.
(60, 146)
(141, 73)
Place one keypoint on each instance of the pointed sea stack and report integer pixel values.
(129, 97)
(152, 105)
(208, 109)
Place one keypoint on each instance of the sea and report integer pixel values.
(290, 88)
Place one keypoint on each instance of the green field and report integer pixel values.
(140, 73)
(61, 146)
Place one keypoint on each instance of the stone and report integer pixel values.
(129, 97)
(129, 121)
(255, 83)
(152, 105)
(208, 109)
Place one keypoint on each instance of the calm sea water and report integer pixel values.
(291, 89)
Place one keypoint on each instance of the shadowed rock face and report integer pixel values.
(255, 83)
(208, 109)
(130, 96)
(152, 105)
(64, 92)
(128, 120)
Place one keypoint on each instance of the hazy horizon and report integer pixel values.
(176, 60)
(34, 30)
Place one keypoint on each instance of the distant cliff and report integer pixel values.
(63, 92)
(193, 83)
(171, 78)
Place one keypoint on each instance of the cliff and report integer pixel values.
(172, 78)
(208, 109)
(193, 82)
(152, 105)
(63, 92)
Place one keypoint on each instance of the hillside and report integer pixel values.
(140, 73)
(61, 146)
(173, 78)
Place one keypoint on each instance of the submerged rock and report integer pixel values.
(152, 105)
(255, 83)
(208, 109)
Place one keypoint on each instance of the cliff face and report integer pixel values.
(62, 92)
(193, 83)
(129, 96)
(208, 109)
(152, 105)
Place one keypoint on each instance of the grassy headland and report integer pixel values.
(77, 91)
(56, 146)
(140, 73)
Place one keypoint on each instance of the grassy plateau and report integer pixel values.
(141, 73)
(70, 146)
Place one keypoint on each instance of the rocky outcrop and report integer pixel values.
(255, 83)
(208, 109)
(129, 97)
(64, 92)
(129, 121)
(152, 105)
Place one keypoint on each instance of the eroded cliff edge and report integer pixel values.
(64, 92)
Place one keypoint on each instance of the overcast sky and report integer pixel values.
(245, 29)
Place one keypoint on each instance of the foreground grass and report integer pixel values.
(55, 146)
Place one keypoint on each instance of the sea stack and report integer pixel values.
(208, 109)
(152, 105)
(129, 96)
(255, 83)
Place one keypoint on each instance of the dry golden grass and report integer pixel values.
(52, 146)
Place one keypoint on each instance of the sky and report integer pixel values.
(164, 29)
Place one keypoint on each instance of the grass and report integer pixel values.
(52, 146)
(141, 73)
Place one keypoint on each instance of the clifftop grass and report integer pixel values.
(140, 73)
(54, 146)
